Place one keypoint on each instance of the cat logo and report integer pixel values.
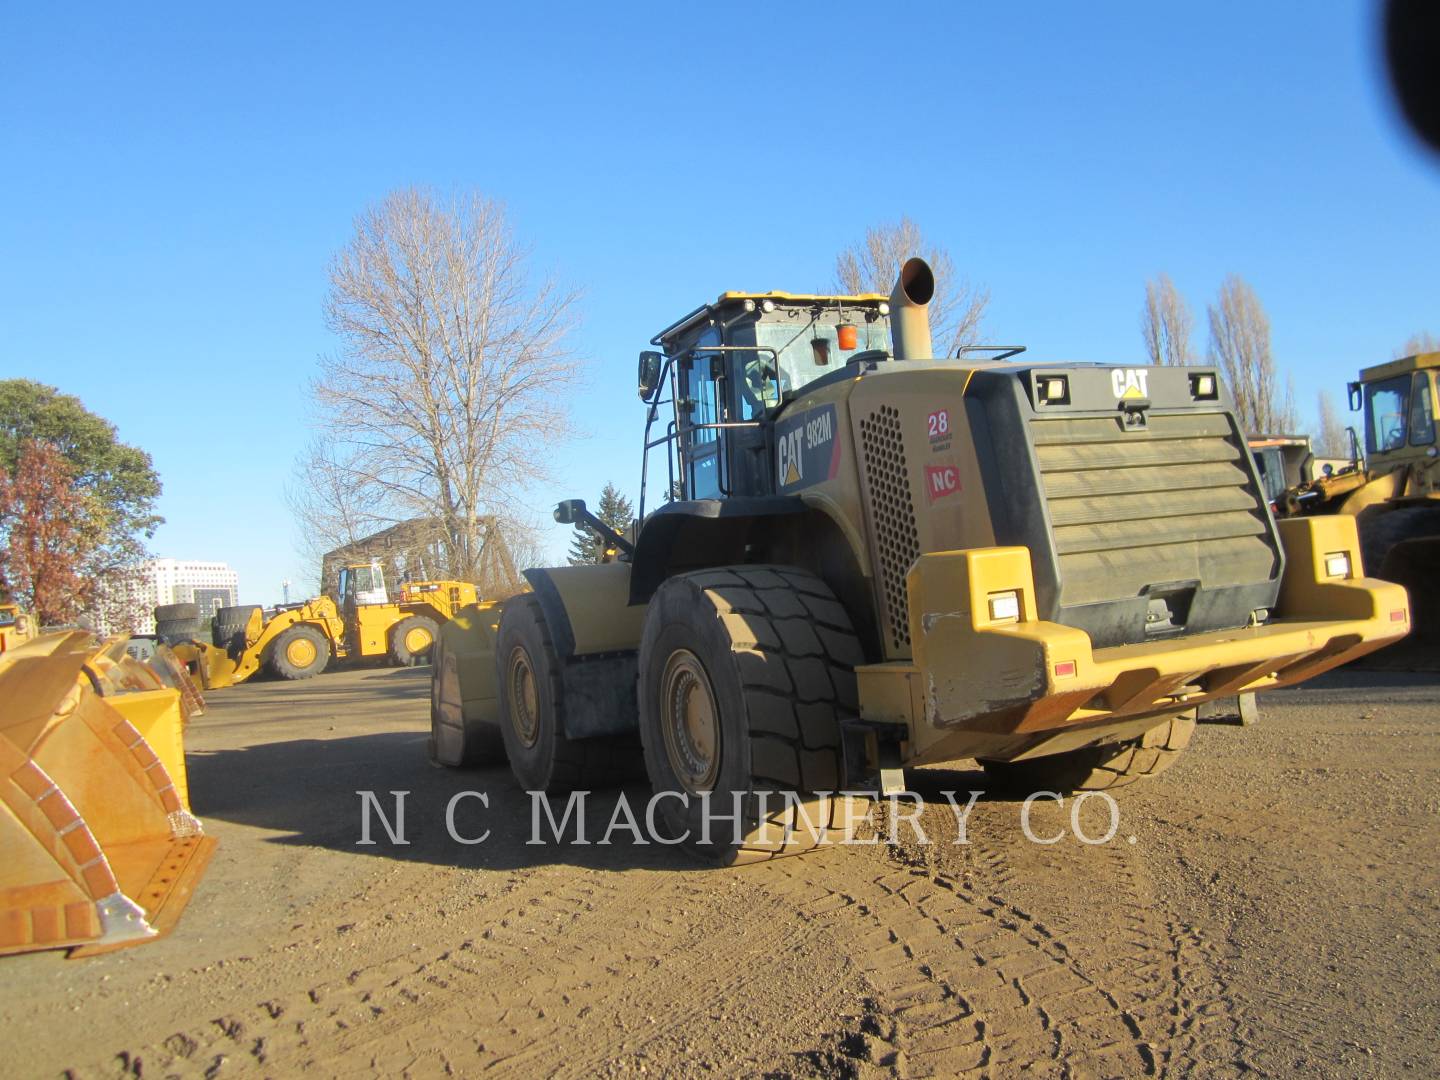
(806, 450)
(1129, 382)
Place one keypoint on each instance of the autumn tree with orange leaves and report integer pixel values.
(42, 548)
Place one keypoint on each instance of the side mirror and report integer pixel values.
(570, 511)
(1354, 389)
(651, 364)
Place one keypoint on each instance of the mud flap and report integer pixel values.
(1239, 711)
(872, 757)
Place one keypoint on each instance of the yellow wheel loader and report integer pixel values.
(1392, 491)
(301, 641)
(872, 558)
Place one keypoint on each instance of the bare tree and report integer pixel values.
(872, 265)
(1166, 323)
(1423, 342)
(451, 385)
(1331, 439)
(333, 505)
(1240, 347)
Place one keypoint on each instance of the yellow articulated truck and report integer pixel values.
(873, 558)
(301, 641)
(1393, 491)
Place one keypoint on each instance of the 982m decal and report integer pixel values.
(806, 449)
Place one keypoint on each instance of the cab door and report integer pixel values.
(700, 404)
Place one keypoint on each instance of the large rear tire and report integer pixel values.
(453, 742)
(1098, 768)
(532, 711)
(300, 652)
(412, 639)
(746, 674)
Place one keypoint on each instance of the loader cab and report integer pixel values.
(361, 584)
(731, 367)
(1398, 403)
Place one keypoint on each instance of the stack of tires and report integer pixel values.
(180, 622)
(227, 629)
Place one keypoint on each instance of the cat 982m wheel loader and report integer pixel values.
(875, 558)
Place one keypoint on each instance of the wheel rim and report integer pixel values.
(301, 652)
(690, 720)
(417, 639)
(524, 699)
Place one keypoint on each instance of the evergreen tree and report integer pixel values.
(614, 510)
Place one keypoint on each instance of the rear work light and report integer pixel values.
(1204, 386)
(1337, 564)
(1005, 607)
(1052, 389)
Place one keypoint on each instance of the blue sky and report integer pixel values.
(175, 179)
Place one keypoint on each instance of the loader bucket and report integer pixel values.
(97, 847)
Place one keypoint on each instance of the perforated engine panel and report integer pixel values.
(897, 541)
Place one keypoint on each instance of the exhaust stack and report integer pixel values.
(909, 315)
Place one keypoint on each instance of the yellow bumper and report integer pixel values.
(1025, 676)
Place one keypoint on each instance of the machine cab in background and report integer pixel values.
(1398, 401)
(362, 583)
(732, 365)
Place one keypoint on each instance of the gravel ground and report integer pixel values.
(1267, 906)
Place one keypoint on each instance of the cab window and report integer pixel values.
(807, 350)
(1385, 413)
(1422, 411)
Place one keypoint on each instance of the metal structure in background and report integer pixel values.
(415, 550)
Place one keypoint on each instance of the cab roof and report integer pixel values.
(1418, 362)
(803, 298)
(737, 297)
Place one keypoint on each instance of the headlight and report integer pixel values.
(1337, 564)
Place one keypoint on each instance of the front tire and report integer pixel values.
(300, 652)
(412, 640)
(1098, 768)
(746, 674)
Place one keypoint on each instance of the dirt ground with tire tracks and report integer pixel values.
(1276, 913)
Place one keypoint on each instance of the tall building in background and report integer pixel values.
(130, 598)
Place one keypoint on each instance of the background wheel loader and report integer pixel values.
(300, 641)
(1393, 493)
(875, 558)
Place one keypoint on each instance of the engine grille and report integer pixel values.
(896, 536)
(1130, 509)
